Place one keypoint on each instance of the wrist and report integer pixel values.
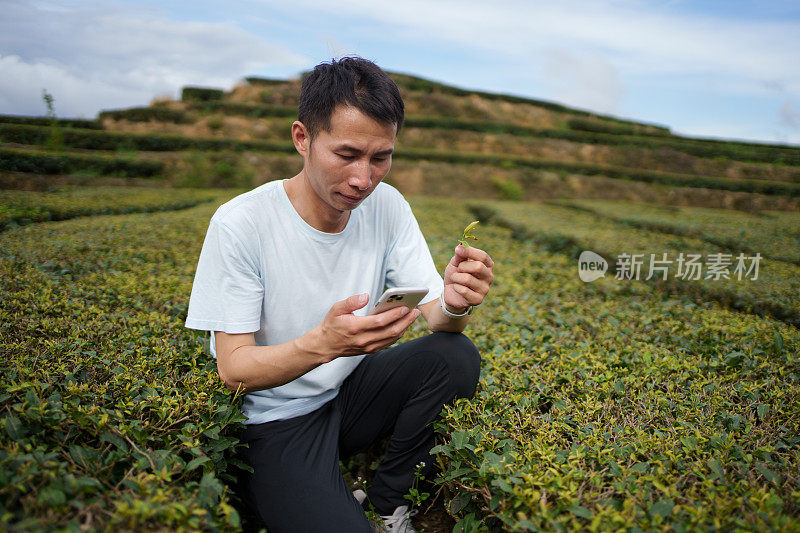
(309, 345)
(453, 312)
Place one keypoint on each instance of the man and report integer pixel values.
(283, 281)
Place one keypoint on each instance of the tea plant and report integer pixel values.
(602, 405)
(467, 235)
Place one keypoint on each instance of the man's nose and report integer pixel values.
(361, 177)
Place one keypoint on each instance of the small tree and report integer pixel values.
(56, 139)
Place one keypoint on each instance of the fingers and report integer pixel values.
(471, 267)
(476, 269)
(476, 254)
(472, 274)
(391, 330)
(472, 297)
(350, 304)
(385, 318)
(471, 282)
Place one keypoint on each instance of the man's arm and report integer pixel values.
(438, 321)
(244, 366)
(467, 278)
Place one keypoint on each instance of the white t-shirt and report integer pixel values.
(263, 269)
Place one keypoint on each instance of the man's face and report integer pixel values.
(345, 164)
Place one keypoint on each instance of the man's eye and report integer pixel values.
(348, 157)
(380, 158)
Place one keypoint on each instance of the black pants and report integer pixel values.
(297, 486)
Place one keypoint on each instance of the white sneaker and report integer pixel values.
(360, 495)
(398, 522)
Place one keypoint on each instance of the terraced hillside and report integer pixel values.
(455, 142)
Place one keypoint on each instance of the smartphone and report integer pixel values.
(397, 296)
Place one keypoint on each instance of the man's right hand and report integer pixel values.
(342, 333)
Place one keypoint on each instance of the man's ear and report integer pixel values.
(300, 138)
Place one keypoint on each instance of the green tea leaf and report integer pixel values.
(662, 508)
(579, 510)
(459, 502)
(778, 341)
(467, 235)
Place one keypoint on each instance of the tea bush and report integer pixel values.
(256, 80)
(47, 121)
(607, 405)
(655, 139)
(147, 114)
(112, 416)
(560, 229)
(582, 124)
(108, 140)
(774, 234)
(201, 94)
(44, 162)
(101, 140)
(18, 208)
(249, 110)
(613, 406)
(589, 169)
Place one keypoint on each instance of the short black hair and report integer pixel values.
(351, 81)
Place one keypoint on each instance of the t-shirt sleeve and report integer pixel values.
(409, 262)
(227, 293)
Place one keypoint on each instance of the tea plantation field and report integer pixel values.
(619, 404)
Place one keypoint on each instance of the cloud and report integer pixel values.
(21, 87)
(336, 48)
(637, 38)
(97, 57)
(586, 80)
(788, 115)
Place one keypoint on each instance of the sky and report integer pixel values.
(715, 69)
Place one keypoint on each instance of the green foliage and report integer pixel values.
(587, 169)
(568, 231)
(248, 110)
(772, 234)
(256, 80)
(707, 148)
(108, 140)
(613, 406)
(214, 123)
(18, 208)
(55, 140)
(214, 169)
(466, 234)
(201, 94)
(414, 496)
(110, 414)
(147, 114)
(45, 121)
(506, 189)
(640, 136)
(582, 124)
(601, 406)
(42, 162)
(97, 140)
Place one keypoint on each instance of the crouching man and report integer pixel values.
(284, 281)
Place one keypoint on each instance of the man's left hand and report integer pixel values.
(467, 277)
